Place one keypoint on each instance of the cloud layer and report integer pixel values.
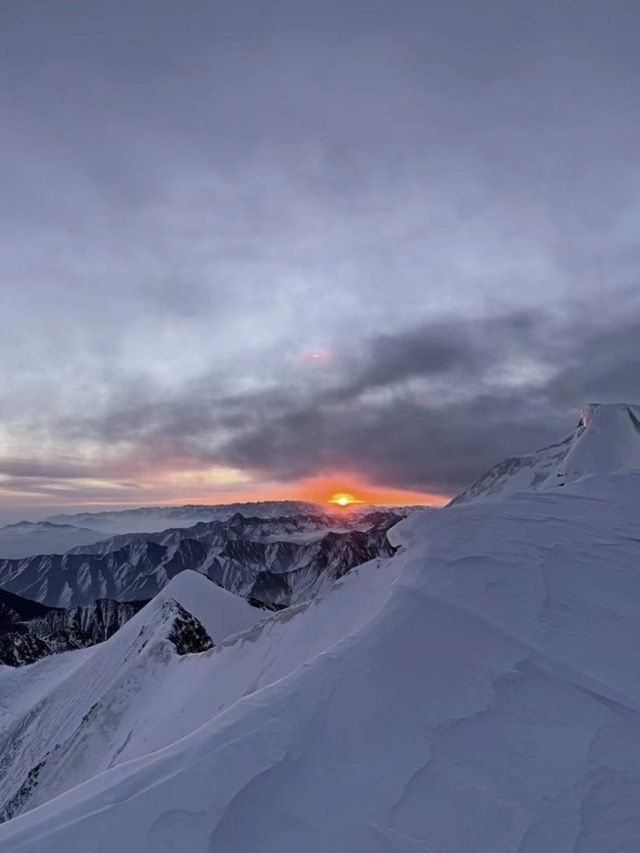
(440, 198)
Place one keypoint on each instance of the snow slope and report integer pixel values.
(84, 706)
(606, 439)
(182, 691)
(477, 692)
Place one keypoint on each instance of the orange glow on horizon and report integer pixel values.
(343, 499)
(322, 489)
(170, 490)
(358, 490)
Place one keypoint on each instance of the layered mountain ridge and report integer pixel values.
(274, 561)
(151, 519)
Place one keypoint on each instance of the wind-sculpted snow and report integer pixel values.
(476, 693)
(606, 439)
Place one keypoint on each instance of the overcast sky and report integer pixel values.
(246, 247)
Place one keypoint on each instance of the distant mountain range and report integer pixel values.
(58, 533)
(151, 519)
(27, 538)
(273, 561)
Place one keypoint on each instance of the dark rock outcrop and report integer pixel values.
(30, 630)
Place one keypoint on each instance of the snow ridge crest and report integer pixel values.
(606, 440)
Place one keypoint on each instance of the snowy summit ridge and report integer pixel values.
(606, 439)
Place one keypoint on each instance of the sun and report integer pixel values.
(343, 499)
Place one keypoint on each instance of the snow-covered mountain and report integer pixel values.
(476, 692)
(61, 533)
(65, 717)
(275, 562)
(607, 438)
(30, 630)
(27, 538)
(150, 519)
(303, 527)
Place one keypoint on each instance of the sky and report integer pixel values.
(252, 250)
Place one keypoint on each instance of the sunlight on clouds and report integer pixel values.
(214, 476)
(85, 483)
(522, 373)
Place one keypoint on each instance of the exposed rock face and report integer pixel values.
(187, 634)
(86, 625)
(15, 609)
(21, 648)
(30, 630)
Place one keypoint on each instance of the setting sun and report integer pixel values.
(343, 499)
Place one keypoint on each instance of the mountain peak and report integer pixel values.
(606, 439)
(221, 613)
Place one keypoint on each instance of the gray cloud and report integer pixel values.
(443, 195)
(507, 385)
